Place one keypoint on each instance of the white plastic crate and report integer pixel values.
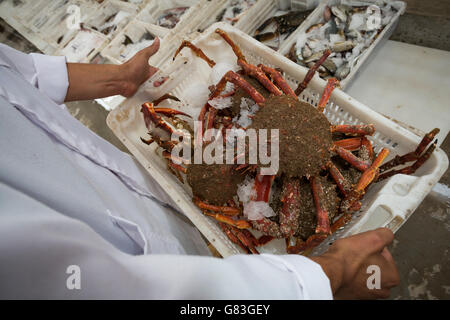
(118, 52)
(44, 13)
(26, 12)
(389, 203)
(214, 9)
(317, 16)
(111, 17)
(304, 4)
(84, 46)
(155, 8)
(271, 8)
(138, 3)
(259, 13)
(9, 11)
(57, 31)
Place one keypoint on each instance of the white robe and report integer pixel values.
(68, 197)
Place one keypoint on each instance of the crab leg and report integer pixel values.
(237, 51)
(248, 68)
(341, 182)
(357, 130)
(326, 94)
(169, 156)
(165, 97)
(166, 145)
(147, 142)
(239, 237)
(230, 211)
(412, 156)
(232, 77)
(342, 221)
(240, 224)
(368, 176)
(150, 114)
(323, 222)
(290, 211)
(201, 119)
(209, 123)
(300, 245)
(279, 80)
(411, 169)
(366, 150)
(227, 230)
(350, 144)
(259, 74)
(235, 78)
(361, 165)
(263, 240)
(357, 143)
(246, 238)
(170, 112)
(198, 52)
(302, 86)
(266, 226)
(262, 187)
(177, 167)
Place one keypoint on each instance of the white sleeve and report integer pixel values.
(47, 73)
(38, 245)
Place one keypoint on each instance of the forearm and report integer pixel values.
(91, 81)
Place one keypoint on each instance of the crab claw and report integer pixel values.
(412, 156)
(171, 112)
(150, 116)
(412, 168)
(165, 97)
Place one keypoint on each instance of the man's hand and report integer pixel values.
(92, 81)
(137, 70)
(346, 262)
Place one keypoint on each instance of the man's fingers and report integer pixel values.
(384, 237)
(153, 48)
(387, 255)
(152, 70)
(394, 278)
(373, 241)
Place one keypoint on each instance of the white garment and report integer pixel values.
(68, 197)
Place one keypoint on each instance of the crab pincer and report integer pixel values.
(417, 155)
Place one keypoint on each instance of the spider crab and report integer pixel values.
(308, 146)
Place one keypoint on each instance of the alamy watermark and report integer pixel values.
(73, 281)
(374, 280)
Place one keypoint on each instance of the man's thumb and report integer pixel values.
(152, 49)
